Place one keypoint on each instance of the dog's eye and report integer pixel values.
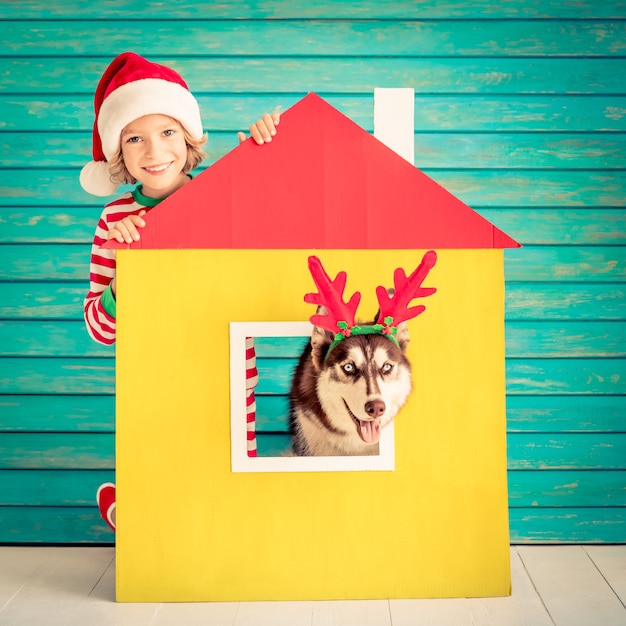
(348, 368)
(387, 367)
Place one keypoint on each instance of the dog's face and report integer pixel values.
(345, 392)
(362, 382)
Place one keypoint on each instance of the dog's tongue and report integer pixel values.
(370, 431)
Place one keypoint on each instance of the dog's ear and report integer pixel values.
(403, 336)
(320, 342)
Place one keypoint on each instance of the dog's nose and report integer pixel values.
(375, 408)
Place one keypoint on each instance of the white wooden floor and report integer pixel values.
(552, 585)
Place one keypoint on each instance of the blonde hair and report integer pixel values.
(195, 155)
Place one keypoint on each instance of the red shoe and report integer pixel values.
(106, 503)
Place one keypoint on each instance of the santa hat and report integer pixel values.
(132, 87)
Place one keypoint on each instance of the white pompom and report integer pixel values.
(96, 180)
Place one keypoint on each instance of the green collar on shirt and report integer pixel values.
(144, 200)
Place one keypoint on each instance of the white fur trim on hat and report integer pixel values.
(96, 179)
(145, 97)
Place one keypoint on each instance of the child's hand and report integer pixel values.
(263, 130)
(126, 229)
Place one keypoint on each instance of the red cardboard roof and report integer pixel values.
(323, 182)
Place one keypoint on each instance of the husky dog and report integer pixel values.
(342, 399)
(352, 379)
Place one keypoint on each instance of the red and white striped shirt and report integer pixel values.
(99, 304)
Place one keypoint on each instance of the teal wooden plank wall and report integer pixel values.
(520, 110)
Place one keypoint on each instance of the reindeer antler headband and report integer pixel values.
(394, 308)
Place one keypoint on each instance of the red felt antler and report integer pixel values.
(330, 296)
(396, 306)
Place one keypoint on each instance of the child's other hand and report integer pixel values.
(262, 130)
(126, 229)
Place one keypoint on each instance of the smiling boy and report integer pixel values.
(148, 131)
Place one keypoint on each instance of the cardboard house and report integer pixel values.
(232, 246)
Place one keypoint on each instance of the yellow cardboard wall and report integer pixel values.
(191, 530)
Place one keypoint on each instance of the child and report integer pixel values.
(147, 130)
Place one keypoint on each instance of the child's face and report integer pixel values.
(155, 152)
